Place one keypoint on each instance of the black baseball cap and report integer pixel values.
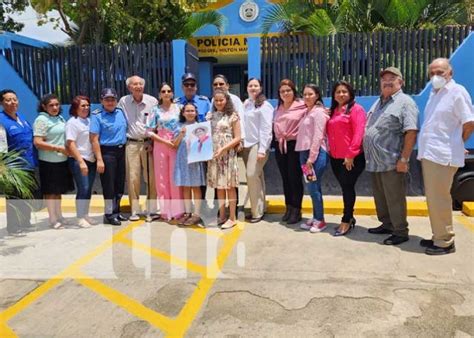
(188, 76)
(108, 92)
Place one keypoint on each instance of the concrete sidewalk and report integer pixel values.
(265, 279)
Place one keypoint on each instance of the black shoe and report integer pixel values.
(395, 240)
(380, 230)
(295, 216)
(112, 221)
(426, 243)
(251, 219)
(287, 214)
(122, 218)
(436, 250)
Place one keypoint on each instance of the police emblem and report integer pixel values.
(248, 11)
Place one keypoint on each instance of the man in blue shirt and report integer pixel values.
(190, 89)
(19, 137)
(108, 134)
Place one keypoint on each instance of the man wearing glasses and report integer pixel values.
(190, 89)
(137, 107)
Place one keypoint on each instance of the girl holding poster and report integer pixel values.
(190, 177)
(222, 170)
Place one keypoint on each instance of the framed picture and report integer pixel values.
(199, 142)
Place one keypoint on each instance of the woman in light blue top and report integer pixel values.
(49, 139)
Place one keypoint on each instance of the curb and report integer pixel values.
(276, 205)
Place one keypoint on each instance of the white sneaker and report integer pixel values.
(83, 223)
(134, 217)
(318, 226)
(307, 225)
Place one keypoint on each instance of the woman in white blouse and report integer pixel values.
(258, 115)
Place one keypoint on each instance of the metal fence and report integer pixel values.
(356, 58)
(71, 71)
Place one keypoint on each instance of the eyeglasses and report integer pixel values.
(189, 84)
(164, 91)
(218, 84)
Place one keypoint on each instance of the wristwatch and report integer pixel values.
(404, 160)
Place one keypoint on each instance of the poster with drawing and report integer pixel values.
(199, 142)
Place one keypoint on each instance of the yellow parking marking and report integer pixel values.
(70, 271)
(6, 332)
(213, 232)
(192, 307)
(132, 306)
(466, 221)
(164, 256)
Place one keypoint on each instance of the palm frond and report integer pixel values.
(201, 19)
(14, 176)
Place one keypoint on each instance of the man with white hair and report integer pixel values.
(448, 123)
(137, 107)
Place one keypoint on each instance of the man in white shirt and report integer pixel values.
(448, 123)
(137, 107)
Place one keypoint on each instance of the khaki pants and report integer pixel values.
(389, 190)
(135, 155)
(438, 180)
(255, 179)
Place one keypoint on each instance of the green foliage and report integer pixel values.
(325, 18)
(7, 8)
(14, 179)
(132, 21)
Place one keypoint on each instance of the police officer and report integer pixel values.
(17, 135)
(189, 85)
(108, 134)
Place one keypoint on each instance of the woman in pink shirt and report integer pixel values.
(345, 131)
(311, 143)
(286, 123)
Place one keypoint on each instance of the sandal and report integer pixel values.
(182, 220)
(65, 221)
(194, 220)
(57, 226)
(91, 221)
(229, 224)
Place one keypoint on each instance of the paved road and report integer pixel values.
(266, 279)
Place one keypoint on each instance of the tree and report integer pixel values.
(7, 8)
(326, 17)
(14, 179)
(121, 21)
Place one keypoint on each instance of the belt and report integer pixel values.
(113, 147)
(136, 140)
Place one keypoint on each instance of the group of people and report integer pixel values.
(140, 136)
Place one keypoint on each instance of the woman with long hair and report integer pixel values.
(257, 117)
(345, 131)
(49, 138)
(286, 122)
(163, 127)
(82, 159)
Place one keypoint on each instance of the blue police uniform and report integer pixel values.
(112, 130)
(19, 138)
(201, 102)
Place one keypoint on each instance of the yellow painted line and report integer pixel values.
(129, 304)
(467, 222)
(468, 208)
(70, 271)
(162, 255)
(211, 232)
(6, 331)
(192, 307)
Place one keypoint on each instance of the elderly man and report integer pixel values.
(190, 89)
(390, 135)
(448, 123)
(136, 107)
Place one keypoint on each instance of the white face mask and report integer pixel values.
(438, 81)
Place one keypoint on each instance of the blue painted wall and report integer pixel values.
(235, 25)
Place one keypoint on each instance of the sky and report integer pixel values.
(44, 33)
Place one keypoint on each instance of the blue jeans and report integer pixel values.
(83, 186)
(314, 187)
